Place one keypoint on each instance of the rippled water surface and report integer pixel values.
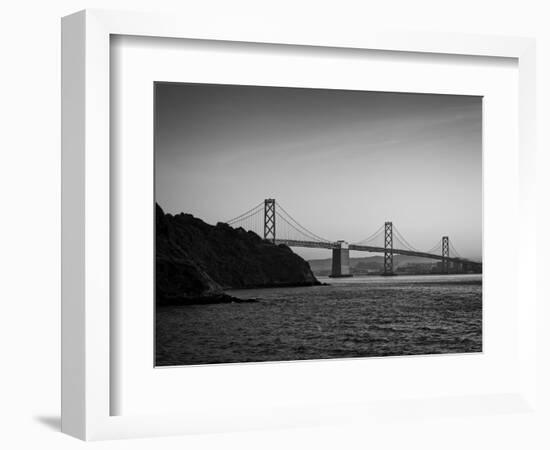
(353, 317)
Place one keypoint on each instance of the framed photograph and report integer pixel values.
(261, 286)
(267, 228)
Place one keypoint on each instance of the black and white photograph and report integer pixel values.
(309, 224)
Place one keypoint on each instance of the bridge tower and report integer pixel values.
(445, 254)
(388, 248)
(269, 219)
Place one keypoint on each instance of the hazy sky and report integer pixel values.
(340, 162)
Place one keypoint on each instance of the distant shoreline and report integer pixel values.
(399, 274)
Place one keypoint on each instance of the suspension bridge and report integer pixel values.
(270, 219)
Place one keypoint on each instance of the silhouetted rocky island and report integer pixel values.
(196, 262)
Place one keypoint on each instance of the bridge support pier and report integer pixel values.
(340, 261)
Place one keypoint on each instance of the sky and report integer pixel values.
(340, 162)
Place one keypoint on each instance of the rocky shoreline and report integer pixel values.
(196, 263)
(205, 300)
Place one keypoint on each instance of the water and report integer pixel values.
(354, 317)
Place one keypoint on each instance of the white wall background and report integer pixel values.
(30, 198)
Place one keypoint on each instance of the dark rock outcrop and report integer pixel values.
(196, 262)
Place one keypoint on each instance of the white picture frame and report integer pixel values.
(86, 245)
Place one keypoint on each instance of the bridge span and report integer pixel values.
(269, 216)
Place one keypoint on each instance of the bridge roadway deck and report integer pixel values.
(371, 249)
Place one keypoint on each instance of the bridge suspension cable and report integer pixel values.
(246, 214)
(297, 226)
(288, 231)
(435, 248)
(454, 251)
(372, 236)
(402, 240)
